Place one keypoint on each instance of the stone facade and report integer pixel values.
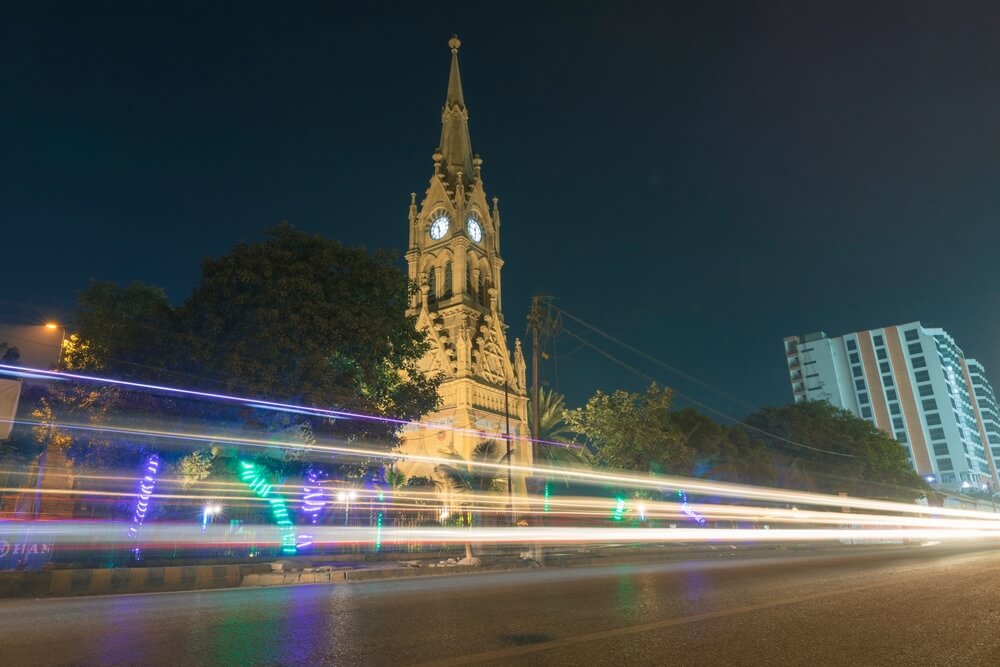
(454, 256)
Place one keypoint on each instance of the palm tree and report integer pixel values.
(553, 428)
(482, 473)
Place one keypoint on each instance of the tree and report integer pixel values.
(296, 318)
(632, 431)
(478, 475)
(722, 452)
(834, 451)
(8, 354)
(552, 427)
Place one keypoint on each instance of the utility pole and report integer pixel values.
(535, 323)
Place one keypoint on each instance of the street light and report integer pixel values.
(347, 498)
(210, 510)
(54, 326)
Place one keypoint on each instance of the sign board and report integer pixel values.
(10, 393)
(24, 554)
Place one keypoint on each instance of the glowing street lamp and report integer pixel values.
(347, 497)
(210, 510)
(55, 326)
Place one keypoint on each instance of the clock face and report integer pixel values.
(439, 227)
(475, 230)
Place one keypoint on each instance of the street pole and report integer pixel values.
(510, 468)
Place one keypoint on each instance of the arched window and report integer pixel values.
(470, 287)
(432, 285)
(482, 287)
(447, 280)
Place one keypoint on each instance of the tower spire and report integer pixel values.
(456, 145)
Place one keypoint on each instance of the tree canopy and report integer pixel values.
(296, 318)
(632, 430)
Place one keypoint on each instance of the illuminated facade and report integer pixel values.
(915, 384)
(454, 257)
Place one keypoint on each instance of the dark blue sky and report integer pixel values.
(699, 181)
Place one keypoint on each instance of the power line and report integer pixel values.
(650, 379)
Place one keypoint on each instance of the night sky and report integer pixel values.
(698, 181)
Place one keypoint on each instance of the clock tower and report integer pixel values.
(454, 258)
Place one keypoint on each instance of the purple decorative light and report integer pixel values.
(146, 485)
(314, 496)
(690, 513)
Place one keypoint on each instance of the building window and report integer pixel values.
(922, 376)
(933, 419)
(929, 404)
(945, 464)
(482, 288)
(894, 408)
(911, 334)
(900, 437)
(879, 340)
(863, 397)
(888, 381)
(937, 434)
(447, 279)
(881, 353)
(432, 285)
(852, 344)
(918, 362)
(897, 423)
(926, 390)
(941, 449)
(857, 371)
(915, 348)
(866, 412)
(884, 367)
(890, 394)
(854, 358)
(859, 384)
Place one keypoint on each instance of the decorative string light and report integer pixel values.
(146, 485)
(260, 486)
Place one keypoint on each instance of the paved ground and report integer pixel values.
(892, 606)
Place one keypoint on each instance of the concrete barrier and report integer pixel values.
(55, 583)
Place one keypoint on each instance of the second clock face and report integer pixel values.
(439, 228)
(475, 230)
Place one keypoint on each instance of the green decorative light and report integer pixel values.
(546, 492)
(254, 479)
(619, 508)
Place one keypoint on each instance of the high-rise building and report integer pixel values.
(915, 384)
(989, 409)
(454, 257)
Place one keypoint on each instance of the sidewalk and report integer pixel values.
(340, 569)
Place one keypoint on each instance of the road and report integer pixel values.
(885, 606)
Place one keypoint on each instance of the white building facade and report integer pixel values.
(915, 384)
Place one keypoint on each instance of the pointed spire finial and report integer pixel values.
(455, 145)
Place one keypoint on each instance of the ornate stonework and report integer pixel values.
(454, 256)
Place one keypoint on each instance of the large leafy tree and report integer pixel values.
(305, 318)
(632, 431)
(297, 318)
(822, 447)
(722, 452)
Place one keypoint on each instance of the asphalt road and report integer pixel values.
(890, 606)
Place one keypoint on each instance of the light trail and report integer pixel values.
(37, 373)
(90, 534)
(690, 485)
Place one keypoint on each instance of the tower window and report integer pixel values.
(432, 285)
(482, 287)
(447, 280)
